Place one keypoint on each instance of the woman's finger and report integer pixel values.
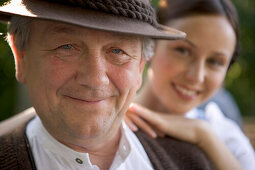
(142, 125)
(159, 132)
(130, 124)
(146, 114)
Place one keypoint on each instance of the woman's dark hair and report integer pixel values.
(175, 9)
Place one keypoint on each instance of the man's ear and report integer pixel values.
(141, 67)
(19, 61)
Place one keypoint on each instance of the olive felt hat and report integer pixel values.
(134, 17)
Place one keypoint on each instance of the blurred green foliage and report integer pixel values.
(240, 80)
(7, 77)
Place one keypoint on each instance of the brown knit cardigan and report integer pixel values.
(164, 153)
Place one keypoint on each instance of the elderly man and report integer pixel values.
(82, 63)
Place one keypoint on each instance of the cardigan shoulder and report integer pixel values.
(15, 152)
(170, 153)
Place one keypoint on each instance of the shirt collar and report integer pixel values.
(50, 144)
(191, 114)
(124, 148)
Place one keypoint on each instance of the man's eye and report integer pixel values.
(118, 56)
(67, 52)
(66, 46)
(117, 51)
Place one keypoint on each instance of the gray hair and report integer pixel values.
(148, 48)
(19, 28)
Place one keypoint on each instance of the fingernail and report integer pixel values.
(134, 127)
(131, 107)
(153, 134)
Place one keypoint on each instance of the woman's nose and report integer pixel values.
(196, 72)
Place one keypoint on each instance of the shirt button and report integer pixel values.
(79, 161)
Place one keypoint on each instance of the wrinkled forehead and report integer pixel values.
(53, 28)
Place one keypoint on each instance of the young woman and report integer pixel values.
(183, 74)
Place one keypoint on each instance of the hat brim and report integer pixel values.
(88, 18)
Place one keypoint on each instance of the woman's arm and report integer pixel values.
(194, 131)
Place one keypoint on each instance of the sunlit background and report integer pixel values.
(240, 80)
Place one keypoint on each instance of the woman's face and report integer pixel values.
(185, 73)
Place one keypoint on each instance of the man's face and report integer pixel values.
(80, 81)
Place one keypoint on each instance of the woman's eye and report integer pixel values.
(183, 51)
(215, 62)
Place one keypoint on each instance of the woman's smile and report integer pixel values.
(184, 92)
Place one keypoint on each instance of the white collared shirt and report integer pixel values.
(229, 132)
(52, 155)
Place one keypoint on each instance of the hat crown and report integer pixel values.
(133, 17)
(134, 9)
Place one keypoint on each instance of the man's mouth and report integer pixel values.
(88, 100)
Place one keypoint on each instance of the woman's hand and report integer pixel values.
(194, 131)
(160, 124)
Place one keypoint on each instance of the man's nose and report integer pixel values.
(92, 71)
(196, 72)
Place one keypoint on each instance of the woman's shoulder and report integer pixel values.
(223, 126)
(230, 133)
